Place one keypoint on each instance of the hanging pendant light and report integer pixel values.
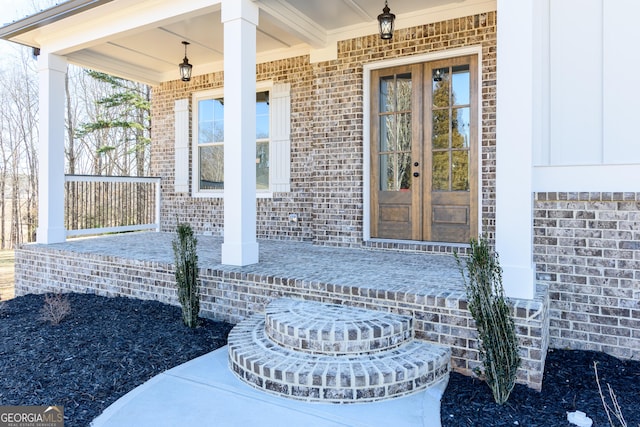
(185, 67)
(385, 21)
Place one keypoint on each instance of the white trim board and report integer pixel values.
(607, 178)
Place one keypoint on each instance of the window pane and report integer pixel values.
(387, 94)
(440, 129)
(387, 133)
(262, 165)
(460, 82)
(440, 171)
(403, 90)
(440, 87)
(404, 132)
(460, 170)
(210, 121)
(262, 115)
(395, 136)
(395, 172)
(205, 132)
(212, 167)
(460, 128)
(262, 127)
(205, 110)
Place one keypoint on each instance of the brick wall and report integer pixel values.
(272, 214)
(587, 250)
(326, 135)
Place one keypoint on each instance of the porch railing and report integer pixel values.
(110, 204)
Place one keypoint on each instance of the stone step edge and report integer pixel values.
(333, 379)
(321, 328)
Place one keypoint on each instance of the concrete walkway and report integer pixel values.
(204, 392)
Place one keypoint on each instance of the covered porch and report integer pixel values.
(427, 287)
(234, 37)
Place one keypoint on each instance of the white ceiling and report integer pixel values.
(150, 49)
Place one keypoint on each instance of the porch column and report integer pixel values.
(52, 70)
(240, 18)
(514, 145)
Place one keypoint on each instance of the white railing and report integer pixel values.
(111, 204)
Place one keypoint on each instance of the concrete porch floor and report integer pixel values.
(372, 268)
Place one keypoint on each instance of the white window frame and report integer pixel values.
(264, 86)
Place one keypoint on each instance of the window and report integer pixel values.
(209, 142)
(262, 141)
(273, 145)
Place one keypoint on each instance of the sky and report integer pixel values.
(12, 10)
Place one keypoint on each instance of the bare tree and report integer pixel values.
(19, 91)
(107, 133)
(4, 167)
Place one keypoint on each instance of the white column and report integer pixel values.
(51, 70)
(516, 108)
(240, 18)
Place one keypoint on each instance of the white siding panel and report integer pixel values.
(181, 119)
(576, 82)
(621, 90)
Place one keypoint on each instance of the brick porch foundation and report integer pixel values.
(426, 287)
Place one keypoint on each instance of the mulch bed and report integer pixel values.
(569, 384)
(103, 349)
(108, 346)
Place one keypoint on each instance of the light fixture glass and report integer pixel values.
(385, 21)
(185, 67)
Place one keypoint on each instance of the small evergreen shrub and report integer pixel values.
(186, 259)
(56, 307)
(482, 276)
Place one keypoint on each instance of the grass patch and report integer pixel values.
(6, 259)
(6, 275)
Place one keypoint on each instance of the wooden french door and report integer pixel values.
(424, 152)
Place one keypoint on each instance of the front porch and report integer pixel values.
(427, 287)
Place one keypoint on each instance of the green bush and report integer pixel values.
(482, 276)
(186, 258)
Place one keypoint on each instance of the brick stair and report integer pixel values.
(331, 353)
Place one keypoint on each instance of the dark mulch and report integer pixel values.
(103, 349)
(569, 384)
(108, 346)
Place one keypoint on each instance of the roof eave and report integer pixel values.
(48, 16)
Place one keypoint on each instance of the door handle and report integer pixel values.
(416, 174)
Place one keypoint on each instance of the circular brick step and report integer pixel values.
(268, 366)
(320, 328)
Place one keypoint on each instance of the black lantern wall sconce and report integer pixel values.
(185, 67)
(385, 22)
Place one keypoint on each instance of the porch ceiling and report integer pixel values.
(142, 40)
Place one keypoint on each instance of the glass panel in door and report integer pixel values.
(451, 135)
(393, 155)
